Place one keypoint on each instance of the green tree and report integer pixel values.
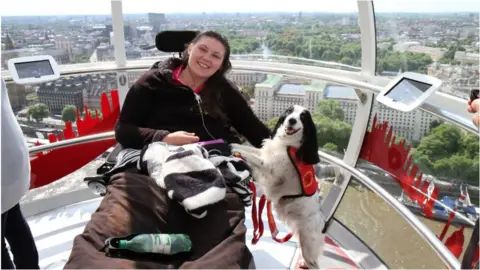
(456, 167)
(69, 113)
(449, 153)
(333, 131)
(346, 60)
(398, 139)
(394, 61)
(331, 109)
(247, 92)
(469, 146)
(32, 98)
(442, 142)
(38, 112)
(435, 123)
(330, 147)
(93, 113)
(271, 123)
(450, 53)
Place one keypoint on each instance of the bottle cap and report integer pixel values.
(122, 244)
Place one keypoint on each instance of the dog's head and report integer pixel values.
(296, 128)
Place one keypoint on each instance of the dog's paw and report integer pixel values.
(236, 149)
(302, 264)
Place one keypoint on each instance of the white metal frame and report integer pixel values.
(442, 251)
(119, 46)
(364, 108)
(366, 17)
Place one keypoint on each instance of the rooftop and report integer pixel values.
(340, 92)
(300, 89)
(292, 89)
(95, 84)
(270, 81)
(317, 85)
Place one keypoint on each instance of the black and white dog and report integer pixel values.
(273, 169)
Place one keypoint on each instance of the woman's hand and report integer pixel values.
(180, 138)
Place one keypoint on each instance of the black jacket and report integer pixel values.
(155, 106)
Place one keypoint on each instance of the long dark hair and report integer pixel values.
(212, 95)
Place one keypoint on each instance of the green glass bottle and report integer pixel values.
(168, 244)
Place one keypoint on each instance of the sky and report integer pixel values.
(95, 7)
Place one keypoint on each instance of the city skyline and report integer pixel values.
(103, 7)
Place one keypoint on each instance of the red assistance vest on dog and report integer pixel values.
(309, 185)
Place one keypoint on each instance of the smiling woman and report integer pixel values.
(189, 99)
(207, 54)
(205, 61)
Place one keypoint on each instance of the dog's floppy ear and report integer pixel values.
(308, 151)
(279, 123)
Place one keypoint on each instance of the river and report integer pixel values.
(386, 232)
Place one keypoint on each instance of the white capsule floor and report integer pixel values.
(55, 230)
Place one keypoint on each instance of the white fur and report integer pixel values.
(271, 169)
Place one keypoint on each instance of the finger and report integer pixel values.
(475, 105)
(191, 139)
(469, 109)
(189, 135)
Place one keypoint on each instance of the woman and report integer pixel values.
(163, 106)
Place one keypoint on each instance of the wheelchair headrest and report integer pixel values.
(174, 41)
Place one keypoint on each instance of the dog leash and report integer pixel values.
(272, 225)
(257, 218)
(257, 226)
(309, 184)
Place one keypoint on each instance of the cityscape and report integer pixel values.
(442, 45)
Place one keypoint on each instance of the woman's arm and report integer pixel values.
(131, 130)
(243, 118)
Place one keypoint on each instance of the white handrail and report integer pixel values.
(71, 142)
(343, 77)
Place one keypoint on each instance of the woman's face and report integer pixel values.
(205, 57)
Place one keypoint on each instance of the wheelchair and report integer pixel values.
(98, 184)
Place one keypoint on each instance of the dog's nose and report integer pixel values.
(292, 121)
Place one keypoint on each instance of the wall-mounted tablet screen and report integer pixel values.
(35, 69)
(407, 91)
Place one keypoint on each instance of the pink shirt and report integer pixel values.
(176, 74)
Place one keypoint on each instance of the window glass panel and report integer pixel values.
(71, 32)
